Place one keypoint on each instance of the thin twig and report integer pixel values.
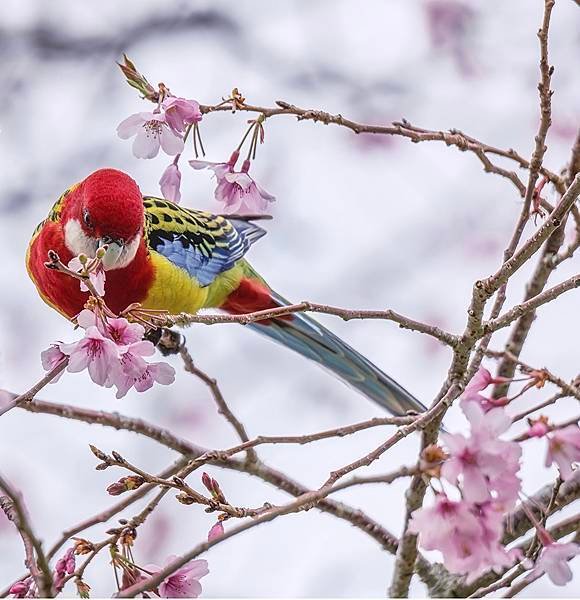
(31, 393)
(222, 405)
(38, 566)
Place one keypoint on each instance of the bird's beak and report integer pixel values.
(112, 254)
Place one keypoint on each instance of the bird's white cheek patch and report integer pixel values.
(77, 241)
(127, 254)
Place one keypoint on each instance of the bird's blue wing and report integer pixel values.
(201, 243)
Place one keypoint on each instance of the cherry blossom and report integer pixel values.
(94, 352)
(241, 194)
(159, 372)
(180, 112)
(183, 583)
(482, 462)
(96, 277)
(121, 331)
(113, 350)
(564, 449)
(52, 357)
(468, 535)
(151, 132)
(554, 559)
(236, 189)
(170, 183)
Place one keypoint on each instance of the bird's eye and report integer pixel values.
(87, 218)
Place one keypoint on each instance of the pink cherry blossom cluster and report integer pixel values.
(64, 566)
(563, 444)
(168, 127)
(113, 351)
(484, 472)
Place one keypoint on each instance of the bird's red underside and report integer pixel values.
(124, 286)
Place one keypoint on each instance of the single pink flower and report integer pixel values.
(564, 449)
(122, 332)
(51, 357)
(97, 278)
(241, 194)
(216, 531)
(151, 131)
(170, 183)
(237, 190)
(180, 112)
(95, 352)
(452, 529)
(131, 361)
(183, 583)
(554, 559)
(154, 373)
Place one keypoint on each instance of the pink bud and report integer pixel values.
(170, 183)
(215, 532)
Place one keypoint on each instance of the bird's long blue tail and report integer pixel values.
(310, 339)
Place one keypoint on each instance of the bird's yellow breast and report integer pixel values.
(175, 290)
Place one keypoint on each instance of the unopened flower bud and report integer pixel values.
(101, 252)
(185, 499)
(20, 588)
(125, 484)
(83, 259)
(538, 427)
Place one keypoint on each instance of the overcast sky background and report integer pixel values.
(362, 222)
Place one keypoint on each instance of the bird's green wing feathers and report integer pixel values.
(201, 243)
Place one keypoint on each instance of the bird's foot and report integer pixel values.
(167, 341)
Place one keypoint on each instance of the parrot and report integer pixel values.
(167, 257)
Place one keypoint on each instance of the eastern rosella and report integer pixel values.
(165, 256)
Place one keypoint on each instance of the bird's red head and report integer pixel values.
(105, 208)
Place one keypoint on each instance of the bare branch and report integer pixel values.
(184, 319)
(38, 566)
